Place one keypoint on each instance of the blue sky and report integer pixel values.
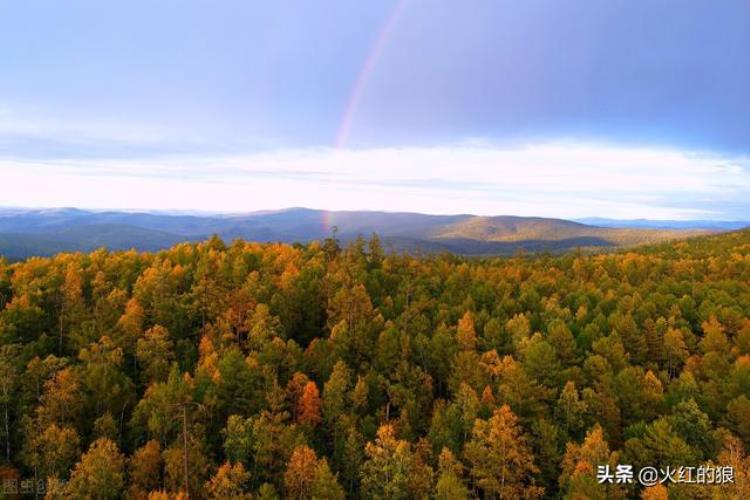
(537, 107)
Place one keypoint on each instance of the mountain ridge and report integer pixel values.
(26, 232)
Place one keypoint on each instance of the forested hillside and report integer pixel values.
(28, 232)
(278, 371)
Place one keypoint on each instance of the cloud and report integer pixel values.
(562, 180)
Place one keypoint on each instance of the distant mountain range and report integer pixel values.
(718, 225)
(27, 232)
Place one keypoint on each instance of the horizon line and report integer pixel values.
(205, 213)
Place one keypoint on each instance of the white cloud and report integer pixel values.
(562, 180)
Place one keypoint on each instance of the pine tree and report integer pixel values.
(145, 469)
(300, 473)
(229, 481)
(501, 464)
(675, 350)
(100, 473)
(309, 405)
(154, 352)
(570, 410)
(387, 472)
(580, 464)
(449, 483)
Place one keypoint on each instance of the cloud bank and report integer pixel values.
(560, 180)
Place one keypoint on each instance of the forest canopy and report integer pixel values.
(250, 370)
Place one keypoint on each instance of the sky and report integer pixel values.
(565, 108)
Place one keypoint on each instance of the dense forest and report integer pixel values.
(248, 370)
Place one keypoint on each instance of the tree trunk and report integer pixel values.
(7, 435)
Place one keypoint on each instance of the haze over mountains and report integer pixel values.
(27, 232)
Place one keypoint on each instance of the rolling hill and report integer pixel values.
(26, 232)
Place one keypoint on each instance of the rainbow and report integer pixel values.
(364, 74)
(326, 219)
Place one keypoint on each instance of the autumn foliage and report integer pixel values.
(314, 371)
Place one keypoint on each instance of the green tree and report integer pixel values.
(154, 352)
(100, 473)
(571, 410)
(228, 482)
(449, 484)
(501, 464)
(391, 469)
(580, 464)
(145, 470)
